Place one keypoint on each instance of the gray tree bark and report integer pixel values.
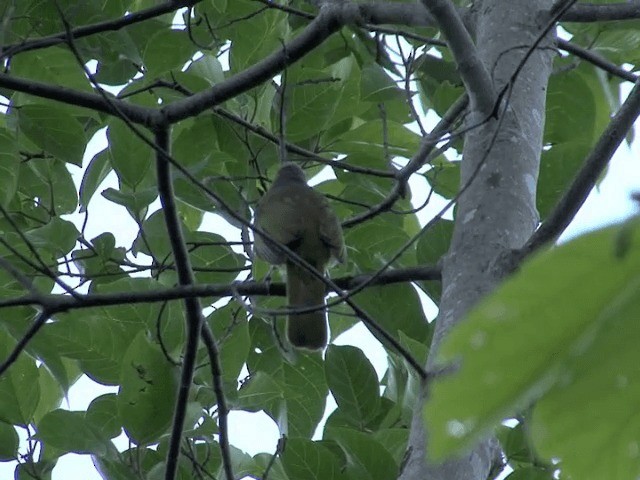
(497, 212)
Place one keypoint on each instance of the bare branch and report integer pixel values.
(223, 410)
(479, 86)
(596, 60)
(87, 30)
(585, 12)
(193, 311)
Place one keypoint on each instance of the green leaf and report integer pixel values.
(430, 248)
(95, 339)
(305, 396)
(260, 391)
(54, 131)
(601, 385)
(618, 44)
(19, 387)
(312, 102)
(95, 173)
(394, 440)
(396, 308)
(303, 459)
(34, 470)
(558, 168)
(208, 68)
(9, 442)
(102, 415)
(369, 138)
(231, 330)
(102, 261)
(214, 260)
(152, 239)
(552, 326)
(58, 237)
(69, 432)
(51, 394)
(147, 392)
(269, 26)
(444, 178)
(374, 243)
(167, 50)
(57, 66)
(353, 382)
(277, 472)
(136, 202)
(9, 167)
(571, 109)
(377, 86)
(367, 459)
(130, 156)
(50, 182)
(531, 473)
(434, 243)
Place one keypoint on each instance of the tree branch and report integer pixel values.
(417, 161)
(87, 30)
(223, 410)
(35, 327)
(478, 84)
(193, 311)
(136, 113)
(596, 60)
(585, 12)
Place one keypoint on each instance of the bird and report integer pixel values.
(293, 214)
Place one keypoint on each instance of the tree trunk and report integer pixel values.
(497, 213)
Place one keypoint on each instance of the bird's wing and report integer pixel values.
(276, 215)
(331, 231)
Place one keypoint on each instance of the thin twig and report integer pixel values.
(223, 409)
(596, 60)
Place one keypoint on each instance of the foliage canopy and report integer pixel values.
(553, 347)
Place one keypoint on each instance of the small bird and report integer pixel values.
(295, 215)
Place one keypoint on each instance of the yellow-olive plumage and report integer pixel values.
(295, 215)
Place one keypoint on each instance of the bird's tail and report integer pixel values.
(306, 330)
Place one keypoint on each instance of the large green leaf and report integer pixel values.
(148, 384)
(94, 338)
(353, 382)
(58, 237)
(268, 25)
(577, 111)
(55, 65)
(549, 333)
(9, 442)
(97, 170)
(131, 157)
(69, 432)
(50, 185)
(367, 459)
(167, 50)
(102, 414)
(602, 384)
(9, 167)
(396, 308)
(19, 387)
(230, 327)
(306, 460)
(54, 131)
